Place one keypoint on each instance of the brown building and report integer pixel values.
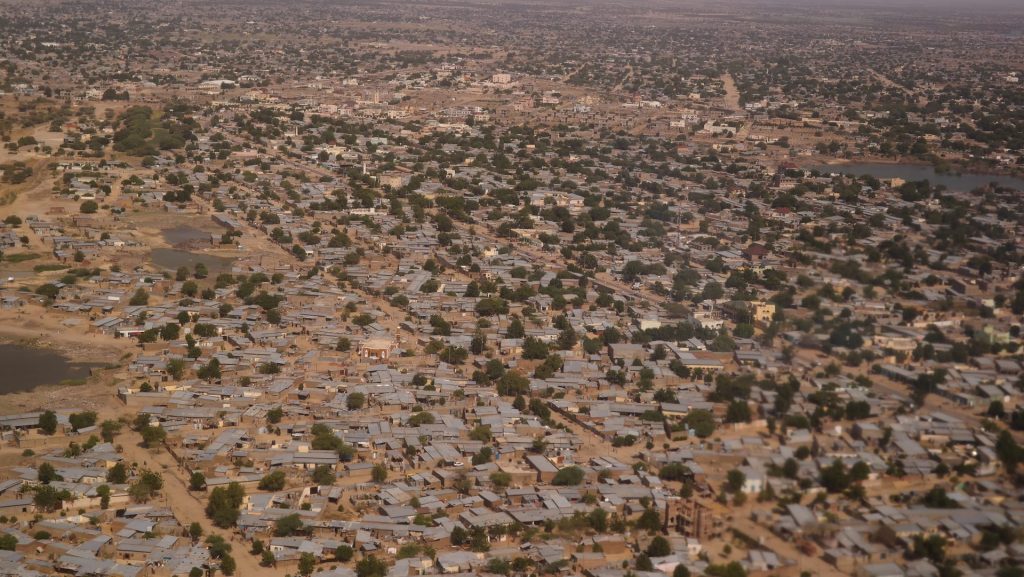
(690, 518)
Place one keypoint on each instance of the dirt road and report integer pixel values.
(732, 94)
(186, 506)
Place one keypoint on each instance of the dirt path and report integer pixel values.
(732, 94)
(20, 196)
(625, 78)
(890, 83)
(186, 506)
(785, 550)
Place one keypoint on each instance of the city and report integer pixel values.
(613, 289)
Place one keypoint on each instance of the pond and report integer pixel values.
(25, 368)
(184, 234)
(172, 259)
(952, 181)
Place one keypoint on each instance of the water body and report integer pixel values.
(25, 368)
(172, 259)
(184, 234)
(952, 181)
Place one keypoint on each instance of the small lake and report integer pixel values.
(184, 234)
(25, 368)
(952, 181)
(172, 259)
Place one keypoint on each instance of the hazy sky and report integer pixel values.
(971, 6)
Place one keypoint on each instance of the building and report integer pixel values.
(377, 348)
(690, 518)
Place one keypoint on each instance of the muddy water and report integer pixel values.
(171, 259)
(184, 234)
(24, 368)
(912, 172)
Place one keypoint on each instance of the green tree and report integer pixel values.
(8, 542)
(307, 562)
(501, 479)
(379, 473)
(117, 475)
(478, 541)
(516, 330)
(659, 547)
(153, 436)
(421, 418)
(170, 331)
(1009, 451)
(344, 553)
(48, 422)
(140, 298)
(491, 306)
(267, 559)
(324, 475)
(534, 348)
(48, 290)
(224, 502)
(453, 355)
(481, 433)
(738, 412)
(46, 473)
(834, 477)
(513, 383)
(483, 456)
(732, 569)
(932, 547)
(598, 520)
(371, 566)
(83, 420)
(108, 429)
(197, 481)
(288, 525)
(572, 475)
(48, 498)
(355, 401)
(147, 485)
(734, 481)
(273, 481)
(176, 367)
(228, 566)
(567, 339)
(860, 471)
(275, 415)
(649, 521)
(210, 371)
(217, 546)
(104, 494)
(701, 421)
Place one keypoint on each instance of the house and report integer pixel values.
(377, 348)
(755, 252)
(762, 312)
(546, 470)
(880, 570)
(626, 352)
